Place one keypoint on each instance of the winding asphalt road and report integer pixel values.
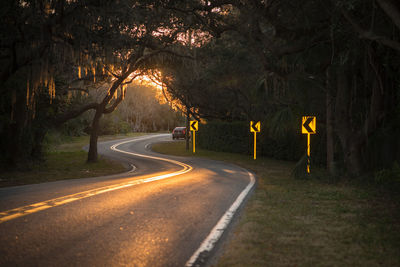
(167, 211)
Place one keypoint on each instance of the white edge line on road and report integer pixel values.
(35, 207)
(209, 243)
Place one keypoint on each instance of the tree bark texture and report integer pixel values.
(330, 148)
(351, 141)
(18, 152)
(187, 128)
(94, 135)
(100, 110)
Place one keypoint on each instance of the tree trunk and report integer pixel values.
(37, 149)
(187, 128)
(100, 110)
(351, 140)
(353, 157)
(16, 146)
(330, 152)
(94, 134)
(13, 145)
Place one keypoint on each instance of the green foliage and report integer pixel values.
(61, 165)
(282, 121)
(21, 133)
(219, 83)
(288, 146)
(389, 178)
(278, 64)
(384, 145)
(110, 125)
(300, 169)
(235, 137)
(141, 111)
(61, 47)
(77, 126)
(224, 136)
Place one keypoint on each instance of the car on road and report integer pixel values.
(179, 132)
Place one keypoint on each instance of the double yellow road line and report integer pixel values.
(33, 208)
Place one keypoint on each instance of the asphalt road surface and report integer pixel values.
(167, 211)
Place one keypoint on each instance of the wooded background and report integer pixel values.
(224, 62)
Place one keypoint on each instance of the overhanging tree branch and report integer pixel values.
(369, 35)
(60, 119)
(114, 105)
(391, 10)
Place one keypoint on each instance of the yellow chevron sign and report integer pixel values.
(255, 126)
(309, 125)
(194, 125)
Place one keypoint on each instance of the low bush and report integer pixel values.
(235, 137)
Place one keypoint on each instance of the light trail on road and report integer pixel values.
(125, 219)
(36, 207)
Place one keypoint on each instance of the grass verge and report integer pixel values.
(290, 222)
(65, 159)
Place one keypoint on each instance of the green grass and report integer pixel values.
(289, 222)
(65, 159)
(76, 143)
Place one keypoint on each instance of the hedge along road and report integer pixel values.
(169, 211)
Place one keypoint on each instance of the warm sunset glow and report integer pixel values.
(147, 80)
(195, 38)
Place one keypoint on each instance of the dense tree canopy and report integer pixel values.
(232, 60)
(279, 60)
(50, 46)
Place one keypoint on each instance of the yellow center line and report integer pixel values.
(37, 204)
(38, 209)
(35, 207)
(66, 201)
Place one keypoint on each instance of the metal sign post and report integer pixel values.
(194, 141)
(308, 153)
(255, 127)
(194, 126)
(309, 126)
(255, 146)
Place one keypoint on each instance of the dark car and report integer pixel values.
(179, 132)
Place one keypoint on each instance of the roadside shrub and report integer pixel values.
(235, 137)
(113, 125)
(224, 136)
(389, 178)
(300, 169)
